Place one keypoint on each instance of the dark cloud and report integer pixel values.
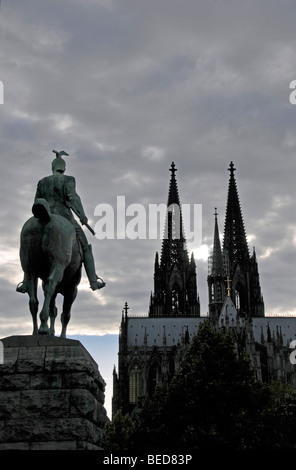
(126, 87)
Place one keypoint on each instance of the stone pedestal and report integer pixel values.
(51, 395)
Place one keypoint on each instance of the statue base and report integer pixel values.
(51, 395)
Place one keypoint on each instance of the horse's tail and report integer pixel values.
(41, 210)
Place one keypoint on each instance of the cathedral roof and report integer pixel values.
(155, 330)
(284, 326)
(228, 312)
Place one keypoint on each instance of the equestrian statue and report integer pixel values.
(53, 248)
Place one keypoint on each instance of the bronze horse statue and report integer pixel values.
(49, 251)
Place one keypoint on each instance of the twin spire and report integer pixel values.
(235, 246)
(233, 272)
(234, 262)
(174, 243)
(175, 289)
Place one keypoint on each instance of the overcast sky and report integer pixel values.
(126, 87)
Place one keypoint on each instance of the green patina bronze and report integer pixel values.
(54, 247)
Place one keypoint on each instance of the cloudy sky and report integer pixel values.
(126, 87)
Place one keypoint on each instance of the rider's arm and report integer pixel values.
(74, 200)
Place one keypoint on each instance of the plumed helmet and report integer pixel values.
(59, 164)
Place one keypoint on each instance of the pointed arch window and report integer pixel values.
(175, 298)
(216, 292)
(237, 301)
(219, 291)
(154, 377)
(212, 292)
(135, 386)
(241, 297)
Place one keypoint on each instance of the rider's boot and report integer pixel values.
(21, 287)
(89, 265)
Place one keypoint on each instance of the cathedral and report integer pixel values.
(152, 346)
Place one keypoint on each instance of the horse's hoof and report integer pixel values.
(43, 330)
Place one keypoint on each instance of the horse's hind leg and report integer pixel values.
(69, 298)
(49, 291)
(52, 314)
(31, 286)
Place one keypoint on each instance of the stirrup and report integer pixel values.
(21, 287)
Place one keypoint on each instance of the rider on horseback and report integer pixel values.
(59, 191)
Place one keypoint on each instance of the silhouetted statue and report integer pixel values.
(54, 246)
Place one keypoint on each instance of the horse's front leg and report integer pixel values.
(69, 298)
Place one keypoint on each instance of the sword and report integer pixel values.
(86, 224)
(89, 228)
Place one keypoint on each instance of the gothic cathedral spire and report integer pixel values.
(174, 244)
(175, 290)
(216, 276)
(235, 242)
(239, 266)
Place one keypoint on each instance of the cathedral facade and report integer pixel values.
(151, 347)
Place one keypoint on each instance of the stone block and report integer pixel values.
(15, 446)
(78, 380)
(77, 428)
(63, 357)
(14, 381)
(44, 403)
(10, 360)
(9, 404)
(29, 430)
(46, 381)
(51, 395)
(30, 360)
(81, 445)
(83, 403)
(54, 445)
